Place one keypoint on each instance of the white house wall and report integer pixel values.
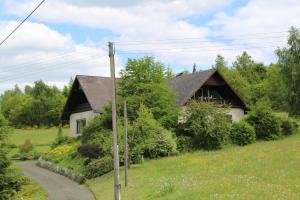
(88, 115)
(237, 114)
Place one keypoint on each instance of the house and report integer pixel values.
(89, 94)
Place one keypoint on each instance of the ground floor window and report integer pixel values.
(80, 125)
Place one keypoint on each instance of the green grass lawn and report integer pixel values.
(261, 171)
(31, 191)
(41, 138)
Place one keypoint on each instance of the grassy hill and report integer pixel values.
(261, 171)
(41, 138)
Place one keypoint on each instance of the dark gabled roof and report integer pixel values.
(96, 90)
(186, 86)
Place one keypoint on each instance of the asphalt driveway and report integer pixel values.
(57, 186)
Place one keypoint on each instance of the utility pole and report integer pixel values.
(125, 144)
(117, 186)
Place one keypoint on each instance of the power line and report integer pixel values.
(192, 38)
(202, 46)
(6, 38)
(41, 71)
(20, 66)
(192, 50)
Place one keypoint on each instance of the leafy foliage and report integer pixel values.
(99, 167)
(161, 145)
(90, 150)
(207, 124)
(26, 147)
(143, 81)
(39, 105)
(266, 125)
(60, 139)
(147, 137)
(289, 60)
(242, 133)
(289, 126)
(184, 143)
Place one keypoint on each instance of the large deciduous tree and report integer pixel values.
(143, 81)
(289, 60)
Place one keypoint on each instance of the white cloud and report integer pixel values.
(157, 20)
(38, 52)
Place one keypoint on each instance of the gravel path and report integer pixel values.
(57, 186)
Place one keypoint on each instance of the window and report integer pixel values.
(80, 125)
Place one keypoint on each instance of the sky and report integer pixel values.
(65, 38)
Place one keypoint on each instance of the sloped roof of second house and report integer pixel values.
(185, 86)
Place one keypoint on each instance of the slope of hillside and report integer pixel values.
(264, 170)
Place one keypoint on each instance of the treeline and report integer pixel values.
(277, 85)
(37, 105)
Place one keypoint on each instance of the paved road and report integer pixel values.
(57, 186)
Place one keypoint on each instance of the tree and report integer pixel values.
(220, 63)
(194, 68)
(10, 182)
(275, 89)
(37, 105)
(289, 61)
(143, 81)
(169, 73)
(250, 70)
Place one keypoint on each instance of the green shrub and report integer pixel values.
(289, 126)
(10, 181)
(265, 123)
(161, 145)
(90, 150)
(99, 167)
(184, 143)
(242, 133)
(207, 124)
(60, 139)
(148, 137)
(99, 124)
(26, 147)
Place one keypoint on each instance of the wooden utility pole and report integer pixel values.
(125, 144)
(117, 186)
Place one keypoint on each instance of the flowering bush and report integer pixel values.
(61, 150)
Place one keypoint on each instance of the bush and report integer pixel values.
(60, 150)
(26, 147)
(184, 143)
(10, 181)
(265, 123)
(207, 124)
(242, 133)
(161, 145)
(60, 139)
(90, 150)
(99, 167)
(289, 126)
(147, 137)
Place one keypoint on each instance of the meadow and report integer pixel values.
(266, 170)
(41, 138)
